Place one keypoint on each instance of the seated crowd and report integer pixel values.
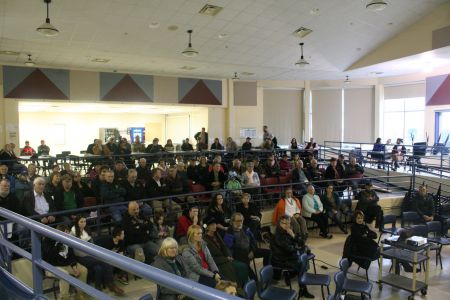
(156, 223)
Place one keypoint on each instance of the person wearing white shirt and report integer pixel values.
(312, 208)
(37, 203)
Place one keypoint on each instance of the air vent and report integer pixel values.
(302, 32)
(100, 60)
(210, 10)
(7, 52)
(188, 68)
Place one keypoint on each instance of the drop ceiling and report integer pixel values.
(254, 36)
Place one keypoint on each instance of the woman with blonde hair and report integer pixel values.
(168, 260)
(199, 263)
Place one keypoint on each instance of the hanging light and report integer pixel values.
(29, 62)
(376, 5)
(347, 80)
(46, 28)
(301, 62)
(235, 77)
(189, 51)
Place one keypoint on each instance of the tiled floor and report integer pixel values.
(328, 253)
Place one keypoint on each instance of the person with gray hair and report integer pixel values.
(170, 261)
(242, 243)
(36, 202)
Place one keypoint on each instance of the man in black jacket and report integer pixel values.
(62, 257)
(135, 191)
(37, 202)
(139, 233)
(112, 193)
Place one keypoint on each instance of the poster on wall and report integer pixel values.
(247, 132)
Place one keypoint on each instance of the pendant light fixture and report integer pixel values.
(46, 28)
(347, 80)
(29, 62)
(301, 62)
(235, 77)
(189, 51)
(376, 5)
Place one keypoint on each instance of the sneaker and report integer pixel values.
(139, 255)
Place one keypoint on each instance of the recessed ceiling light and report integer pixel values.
(222, 35)
(390, 23)
(247, 73)
(358, 49)
(100, 60)
(7, 52)
(302, 32)
(210, 10)
(376, 5)
(314, 11)
(173, 27)
(153, 25)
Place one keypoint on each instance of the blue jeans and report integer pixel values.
(116, 212)
(150, 250)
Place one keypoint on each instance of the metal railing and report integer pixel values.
(38, 230)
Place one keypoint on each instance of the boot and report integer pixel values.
(115, 289)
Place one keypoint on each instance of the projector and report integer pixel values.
(416, 241)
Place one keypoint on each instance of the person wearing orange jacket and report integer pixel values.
(291, 206)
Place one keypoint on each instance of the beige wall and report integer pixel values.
(76, 131)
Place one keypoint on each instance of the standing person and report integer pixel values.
(202, 139)
(103, 273)
(168, 260)
(200, 265)
(313, 209)
(266, 134)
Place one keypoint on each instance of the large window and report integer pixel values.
(442, 126)
(404, 118)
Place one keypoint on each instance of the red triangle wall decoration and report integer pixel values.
(37, 86)
(200, 94)
(442, 94)
(126, 90)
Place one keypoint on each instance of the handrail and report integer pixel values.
(184, 286)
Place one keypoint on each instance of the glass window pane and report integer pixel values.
(414, 125)
(415, 104)
(393, 105)
(393, 125)
(444, 125)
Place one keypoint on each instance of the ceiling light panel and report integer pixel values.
(210, 10)
(302, 32)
